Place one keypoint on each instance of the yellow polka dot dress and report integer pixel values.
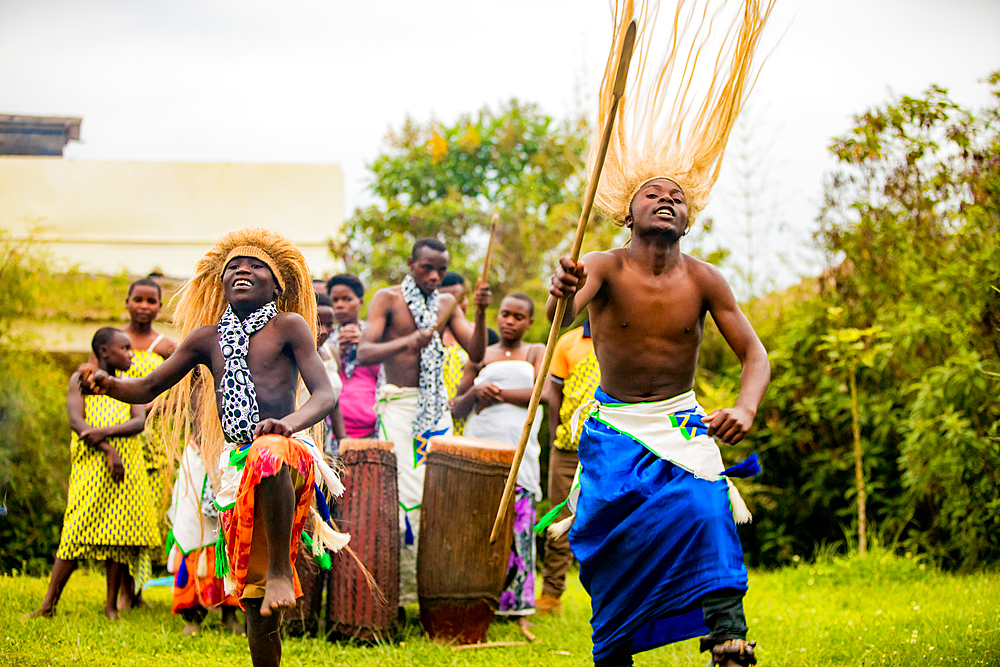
(143, 363)
(453, 369)
(105, 520)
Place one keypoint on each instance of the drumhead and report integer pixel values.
(363, 443)
(473, 448)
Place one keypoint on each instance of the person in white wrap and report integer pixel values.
(495, 395)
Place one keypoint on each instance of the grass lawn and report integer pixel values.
(877, 611)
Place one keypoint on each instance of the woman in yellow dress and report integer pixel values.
(150, 349)
(107, 515)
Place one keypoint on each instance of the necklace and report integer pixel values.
(507, 353)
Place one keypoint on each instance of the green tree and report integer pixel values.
(446, 180)
(915, 214)
(34, 458)
(911, 227)
(848, 349)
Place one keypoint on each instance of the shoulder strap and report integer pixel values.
(152, 345)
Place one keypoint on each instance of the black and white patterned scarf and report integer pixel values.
(432, 401)
(239, 398)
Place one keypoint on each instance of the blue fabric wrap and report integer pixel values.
(408, 536)
(182, 575)
(652, 541)
(321, 506)
(748, 467)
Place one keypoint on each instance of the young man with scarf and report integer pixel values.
(249, 316)
(402, 334)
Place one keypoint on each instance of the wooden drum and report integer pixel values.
(459, 574)
(369, 511)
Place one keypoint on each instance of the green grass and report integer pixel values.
(877, 611)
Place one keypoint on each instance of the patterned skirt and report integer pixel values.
(195, 583)
(518, 597)
(247, 557)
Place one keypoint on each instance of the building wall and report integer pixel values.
(163, 216)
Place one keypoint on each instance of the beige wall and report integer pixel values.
(145, 216)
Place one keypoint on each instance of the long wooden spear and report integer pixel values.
(443, 323)
(494, 223)
(619, 89)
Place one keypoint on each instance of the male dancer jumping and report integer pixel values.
(656, 512)
(401, 334)
(251, 295)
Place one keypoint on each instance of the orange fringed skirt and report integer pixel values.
(246, 549)
(198, 591)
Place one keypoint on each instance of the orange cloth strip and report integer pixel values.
(207, 591)
(267, 455)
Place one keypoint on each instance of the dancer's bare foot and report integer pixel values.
(127, 601)
(279, 595)
(112, 613)
(139, 602)
(230, 622)
(191, 628)
(41, 612)
(522, 623)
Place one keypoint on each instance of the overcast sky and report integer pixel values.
(322, 81)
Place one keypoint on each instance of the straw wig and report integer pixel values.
(677, 112)
(201, 302)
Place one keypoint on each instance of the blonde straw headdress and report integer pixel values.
(683, 97)
(201, 302)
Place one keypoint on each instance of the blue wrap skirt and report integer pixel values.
(652, 540)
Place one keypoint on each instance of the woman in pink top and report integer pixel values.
(357, 398)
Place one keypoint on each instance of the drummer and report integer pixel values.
(494, 394)
(402, 334)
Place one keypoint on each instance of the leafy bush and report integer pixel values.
(34, 459)
(34, 431)
(912, 230)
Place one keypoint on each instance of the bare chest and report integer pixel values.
(635, 305)
(400, 322)
(268, 359)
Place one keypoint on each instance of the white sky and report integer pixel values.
(321, 81)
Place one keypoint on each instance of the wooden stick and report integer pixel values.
(588, 203)
(494, 223)
(443, 324)
(470, 647)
